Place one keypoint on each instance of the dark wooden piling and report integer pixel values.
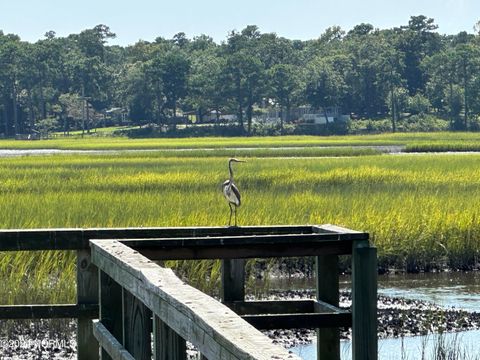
(87, 294)
(111, 309)
(328, 339)
(168, 345)
(137, 327)
(364, 302)
(233, 280)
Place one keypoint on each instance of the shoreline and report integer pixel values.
(397, 317)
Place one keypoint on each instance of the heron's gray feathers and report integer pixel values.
(231, 193)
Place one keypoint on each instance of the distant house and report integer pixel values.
(305, 115)
(210, 117)
(317, 116)
(117, 113)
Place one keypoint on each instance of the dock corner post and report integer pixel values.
(328, 339)
(110, 304)
(364, 301)
(233, 280)
(137, 327)
(168, 345)
(87, 293)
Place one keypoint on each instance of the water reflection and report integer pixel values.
(466, 346)
(449, 289)
(452, 289)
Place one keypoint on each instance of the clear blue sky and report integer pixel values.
(132, 20)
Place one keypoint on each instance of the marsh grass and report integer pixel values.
(121, 143)
(421, 211)
(443, 348)
(443, 146)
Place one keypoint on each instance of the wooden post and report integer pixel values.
(168, 345)
(328, 339)
(87, 293)
(364, 301)
(110, 308)
(137, 327)
(233, 280)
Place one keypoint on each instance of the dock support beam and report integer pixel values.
(111, 309)
(168, 345)
(328, 339)
(364, 301)
(87, 293)
(137, 327)
(233, 280)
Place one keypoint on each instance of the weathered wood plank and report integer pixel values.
(87, 294)
(232, 280)
(137, 327)
(50, 311)
(168, 345)
(112, 347)
(246, 251)
(327, 291)
(231, 247)
(282, 307)
(271, 307)
(214, 329)
(260, 239)
(335, 229)
(111, 311)
(364, 302)
(299, 321)
(77, 239)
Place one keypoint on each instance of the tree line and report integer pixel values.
(71, 82)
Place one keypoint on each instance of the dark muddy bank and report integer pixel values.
(397, 317)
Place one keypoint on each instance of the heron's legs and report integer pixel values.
(235, 216)
(231, 210)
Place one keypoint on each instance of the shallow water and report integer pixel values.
(451, 289)
(448, 289)
(467, 344)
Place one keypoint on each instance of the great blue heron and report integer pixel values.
(231, 193)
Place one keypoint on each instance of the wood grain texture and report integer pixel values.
(137, 327)
(87, 294)
(168, 345)
(213, 328)
(111, 308)
(112, 346)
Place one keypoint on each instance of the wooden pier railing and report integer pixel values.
(125, 301)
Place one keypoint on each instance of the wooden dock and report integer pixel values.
(125, 301)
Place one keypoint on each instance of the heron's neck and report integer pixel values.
(231, 171)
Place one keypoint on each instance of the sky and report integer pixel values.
(133, 20)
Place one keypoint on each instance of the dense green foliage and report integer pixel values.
(421, 210)
(410, 75)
